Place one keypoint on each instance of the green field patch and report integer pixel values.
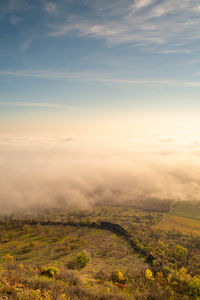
(187, 209)
(179, 224)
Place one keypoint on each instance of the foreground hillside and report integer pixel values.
(145, 251)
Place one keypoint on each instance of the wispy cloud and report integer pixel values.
(189, 62)
(36, 104)
(174, 51)
(50, 7)
(142, 22)
(138, 22)
(13, 9)
(142, 3)
(26, 44)
(97, 77)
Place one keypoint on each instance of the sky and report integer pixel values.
(109, 67)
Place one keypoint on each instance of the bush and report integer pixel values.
(149, 274)
(49, 271)
(8, 259)
(82, 259)
(195, 286)
(118, 277)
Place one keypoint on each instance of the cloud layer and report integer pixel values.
(80, 171)
(98, 77)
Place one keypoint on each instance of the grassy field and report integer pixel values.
(179, 224)
(187, 209)
(184, 217)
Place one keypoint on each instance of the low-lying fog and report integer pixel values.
(80, 171)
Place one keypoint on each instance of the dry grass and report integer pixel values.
(180, 224)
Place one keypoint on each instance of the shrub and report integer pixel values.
(195, 286)
(82, 259)
(8, 259)
(118, 277)
(180, 254)
(49, 271)
(149, 274)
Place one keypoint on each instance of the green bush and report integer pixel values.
(82, 259)
(195, 285)
(49, 271)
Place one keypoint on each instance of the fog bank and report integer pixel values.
(61, 171)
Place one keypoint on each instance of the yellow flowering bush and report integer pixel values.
(149, 274)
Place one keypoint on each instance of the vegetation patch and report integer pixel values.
(179, 224)
(107, 252)
(188, 209)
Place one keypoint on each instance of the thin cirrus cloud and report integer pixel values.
(97, 77)
(13, 8)
(35, 104)
(142, 22)
(26, 44)
(142, 3)
(50, 7)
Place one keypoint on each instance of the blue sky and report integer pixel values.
(110, 65)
